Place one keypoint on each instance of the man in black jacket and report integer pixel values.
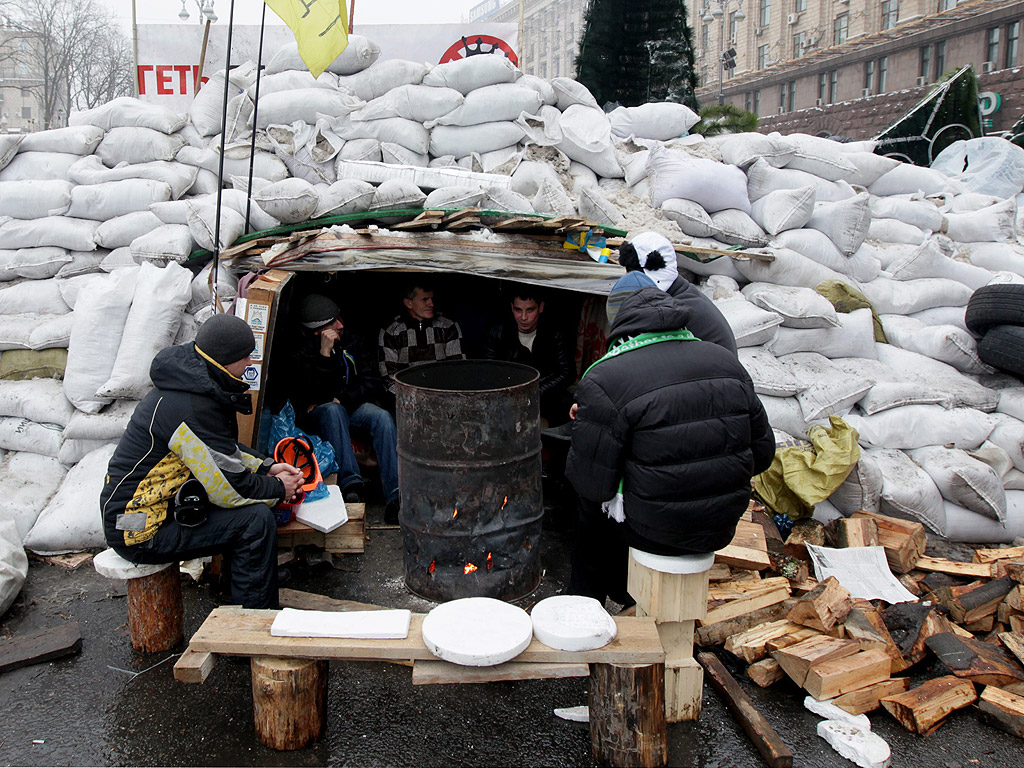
(186, 428)
(670, 422)
(526, 338)
(335, 389)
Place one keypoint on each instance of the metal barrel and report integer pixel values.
(469, 470)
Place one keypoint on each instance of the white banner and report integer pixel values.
(169, 53)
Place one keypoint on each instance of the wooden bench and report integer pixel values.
(349, 539)
(626, 692)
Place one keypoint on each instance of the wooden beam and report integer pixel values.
(308, 601)
(954, 567)
(748, 548)
(774, 751)
(44, 645)
(194, 667)
(426, 672)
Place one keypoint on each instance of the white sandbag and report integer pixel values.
(71, 289)
(34, 199)
(137, 145)
(207, 108)
(42, 296)
(788, 268)
(265, 165)
(634, 164)
(821, 157)
(119, 258)
(818, 247)
(967, 202)
(542, 128)
(305, 105)
(39, 166)
(424, 178)
(586, 138)
(541, 86)
(917, 213)
(39, 263)
(31, 330)
(468, 74)
(552, 198)
(854, 337)
(202, 287)
(917, 426)
(751, 325)
(119, 231)
(90, 170)
(784, 209)
(829, 391)
(660, 120)
(845, 222)
(907, 490)
(798, 307)
(994, 165)
(762, 178)
(895, 231)
(82, 263)
(111, 199)
(908, 179)
(24, 435)
(903, 297)
(529, 176)
(713, 186)
(886, 253)
(27, 483)
(501, 161)
(958, 389)
(159, 300)
(785, 413)
(994, 256)
(289, 201)
(396, 130)
(596, 207)
(770, 377)
(9, 144)
(692, 219)
(292, 80)
(947, 343)
(13, 564)
(397, 194)
(506, 200)
(455, 197)
(735, 227)
(360, 53)
(39, 400)
(929, 261)
(58, 231)
(168, 243)
(569, 92)
(419, 103)
(744, 149)
(870, 167)
(942, 316)
(77, 140)
(493, 103)
(72, 521)
(890, 388)
(344, 196)
(383, 76)
(73, 451)
(202, 224)
(1011, 402)
(971, 528)
(396, 154)
(1009, 435)
(862, 488)
(128, 112)
(461, 141)
(996, 223)
(963, 480)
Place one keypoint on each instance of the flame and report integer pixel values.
(504, 503)
(455, 513)
(469, 568)
(433, 565)
(490, 561)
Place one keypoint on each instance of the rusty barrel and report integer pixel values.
(469, 469)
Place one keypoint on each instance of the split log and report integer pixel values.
(1013, 569)
(922, 709)
(823, 607)
(738, 598)
(156, 613)
(976, 600)
(998, 553)
(1017, 624)
(1014, 644)
(1015, 597)
(1004, 613)
(720, 572)
(1005, 709)
(289, 701)
(37, 647)
(869, 699)
(828, 679)
(747, 548)
(955, 567)
(765, 672)
(976, 661)
(804, 532)
(774, 751)
(865, 623)
(904, 541)
(852, 532)
(984, 624)
(796, 660)
(911, 624)
(751, 644)
(910, 583)
(791, 638)
(627, 715)
(715, 633)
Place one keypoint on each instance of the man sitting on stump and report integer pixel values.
(185, 429)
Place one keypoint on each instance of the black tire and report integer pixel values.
(992, 305)
(1002, 347)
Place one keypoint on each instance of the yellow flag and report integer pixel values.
(320, 27)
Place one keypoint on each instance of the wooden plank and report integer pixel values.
(998, 553)
(869, 699)
(774, 751)
(308, 601)
(748, 548)
(922, 709)
(744, 605)
(1005, 709)
(725, 591)
(904, 541)
(790, 638)
(828, 679)
(36, 647)
(435, 672)
(232, 631)
(954, 567)
(194, 667)
(349, 539)
(716, 633)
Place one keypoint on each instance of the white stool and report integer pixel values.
(156, 612)
(674, 591)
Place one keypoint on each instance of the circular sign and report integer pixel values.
(477, 45)
(989, 102)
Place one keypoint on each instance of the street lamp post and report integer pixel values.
(205, 12)
(726, 58)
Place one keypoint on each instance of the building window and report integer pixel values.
(890, 13)
(734, 28)
(799, 40)
(26, 113)
(764, 12)
(946, 5)
(1012, 42)
(992, 45)
(822, 87)
(925, 70)
(762, 56)
(869, 78)
(833, 86)
(544, 69)
(782, 97)
(840, 28)
(791, 96)
(799, 6)
(757, 102)
(883, 69)
(705, 37)
(26, 93)
(940, 58)
(557, 69)
(747, 101)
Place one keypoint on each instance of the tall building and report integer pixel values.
(852, 66)
(19, 109)
(551, 32)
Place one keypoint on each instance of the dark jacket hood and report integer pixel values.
(647, 311)
(181, 369)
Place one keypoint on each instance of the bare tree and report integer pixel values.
(104, 71)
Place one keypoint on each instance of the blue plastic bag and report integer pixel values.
(283, 425)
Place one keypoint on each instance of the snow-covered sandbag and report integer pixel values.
(42, 296)
(818, 247)
(344, 196)
(159, 299)
(506, 200)
(634, 163)
(735, 227)
(72, 521)
(39, 166)
(862, 488)
(119, 231)
(963, 480)
(947, 343)
(493, 103)
(455, 197)
(586, 138)
(57, 231)
(461, 141)
(397, 193)
(13, 564)
(39, 263)
(382, 77)
(82, 263)
(820, 157)
(287, 107)
(202, 224)
(870, 167)
(784, 209)
(289, 201)
(102, 202)
(692, 219)
(35, 331)
(743, 149)
(903, 297)
(828, 390)
(543, 128)
(798, 307)
(713, 186)
(569, 92)
(751, 325)
(770, 377)
(90, 170)
(890, 389)
(895, 231)
(785, 413)
(541, 86)
(942, 316)
(845, 222)
(419, 103)
(788, 268)
(468, 74)
(168, 243)
(293, 80)
(907, 179)
(929, 261)
(27, 483)
(917, 213)
(24, 435)
(529, 176)
(137, 145)
(39, 400)
(360, 53)
(396, 154)
(660, 120)
(595, 206)
(854, 337)
(552, 198)
(207, 108)
(994, 256)
(907, 490)
(988, 164)
(958, 389)
(265, 165)
(918, 426)
(971, 528)
(996, 223)
(76, 139)
(762, 178)
(128, 112)
(34, 199)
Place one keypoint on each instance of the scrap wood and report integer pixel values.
(37, 647)
(748, 548)
(70, 561)
(865, 623)
(1014, 643)
(750, 601)
(975, 660)
(774, 751)
(308, 601)
(911, 624)
(1012, 568)
(433, 672)
(1005, 709)
(954, 567)
(828, 679)
(765, 672)
(194, 667)
(869, 699)
(751, 644)
(715, 633)
(823, 607)
(796, 660)
(798, 635)
(999, 553)
(922, 709)
(904, 541)
(1015, 598)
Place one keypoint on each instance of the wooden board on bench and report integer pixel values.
(441, 672)
(349, 539)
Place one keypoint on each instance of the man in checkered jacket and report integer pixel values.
(418, 335)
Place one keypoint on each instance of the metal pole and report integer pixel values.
(135, 49)
(351, 16)
(721, 56)
(220, 165)
(255, 115)
(522, 45)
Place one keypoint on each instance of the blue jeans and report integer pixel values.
(333, 423)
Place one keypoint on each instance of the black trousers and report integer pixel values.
(245, 537)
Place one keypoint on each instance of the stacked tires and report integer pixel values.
(996, 314)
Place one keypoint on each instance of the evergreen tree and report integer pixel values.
(635, 51)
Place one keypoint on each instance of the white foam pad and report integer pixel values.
(324, 515)
(856, 744)
(572, 623)
(110, 564)
(371, 625)
(677, 564)
(477, 631)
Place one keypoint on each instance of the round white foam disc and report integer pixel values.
(477, 631)
(572, 623)
(110, 564)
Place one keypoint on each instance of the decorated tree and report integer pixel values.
(635, 51)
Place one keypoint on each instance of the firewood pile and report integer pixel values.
(965, 632)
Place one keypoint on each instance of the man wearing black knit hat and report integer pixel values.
(181, 486)
(335, 389)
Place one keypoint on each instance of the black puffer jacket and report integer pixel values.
(678, 422)
(349, 374)
(551, 355)
(706, 321)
